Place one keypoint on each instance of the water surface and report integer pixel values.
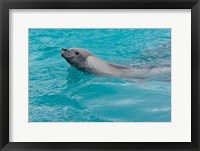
(60, 93)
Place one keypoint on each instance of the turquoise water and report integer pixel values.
(61, 93)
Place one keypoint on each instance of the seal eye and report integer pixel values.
(77, 53)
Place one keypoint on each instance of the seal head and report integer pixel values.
(76, 57)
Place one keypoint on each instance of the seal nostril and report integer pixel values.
(65, 49)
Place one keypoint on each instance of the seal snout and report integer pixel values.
(64, 49)
(65, 53)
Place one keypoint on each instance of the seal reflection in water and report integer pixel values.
(86, 61)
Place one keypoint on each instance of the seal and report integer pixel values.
(86, 61)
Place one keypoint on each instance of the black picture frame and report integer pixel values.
(5, 5)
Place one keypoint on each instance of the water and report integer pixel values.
(60, 93)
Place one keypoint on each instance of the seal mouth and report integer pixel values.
(65, 54)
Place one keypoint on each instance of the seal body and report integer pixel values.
(86, 61)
